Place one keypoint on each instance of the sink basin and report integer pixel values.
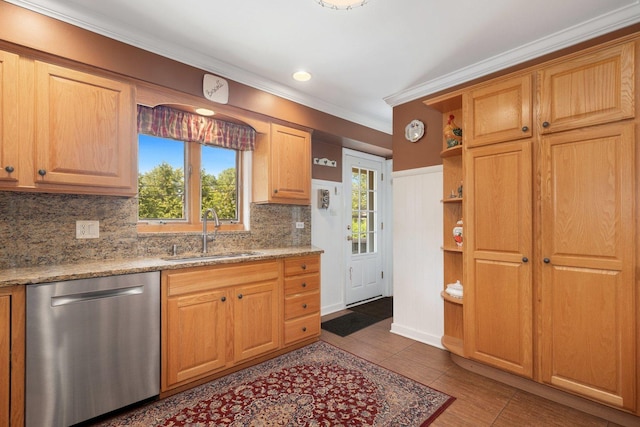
(206, 257)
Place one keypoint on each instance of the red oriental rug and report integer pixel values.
(318, 385)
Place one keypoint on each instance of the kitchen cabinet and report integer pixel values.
(218, 316)
(452, 205)
(301, 298)
(76, 130)
(282, 166)
(12, 322)
(587, 310)
(498, 112)
(8, 117)
(498, 310)
(588, 89)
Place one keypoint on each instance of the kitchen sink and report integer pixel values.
(206, 257)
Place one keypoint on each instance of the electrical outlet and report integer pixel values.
(299, 224)
(87, 229)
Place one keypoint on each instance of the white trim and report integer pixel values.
(414, 334)
(418, 171)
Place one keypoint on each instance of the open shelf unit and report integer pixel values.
(452, 208)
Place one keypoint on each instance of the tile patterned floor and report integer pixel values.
(479, 401)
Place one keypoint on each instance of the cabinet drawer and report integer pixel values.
(200, 279)
(302, 265)
(301, 305)
(298, 284)
(302, 328)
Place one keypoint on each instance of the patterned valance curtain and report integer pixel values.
(167, 122)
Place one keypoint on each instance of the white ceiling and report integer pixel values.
(364, 60)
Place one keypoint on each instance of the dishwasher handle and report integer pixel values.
(94, 295)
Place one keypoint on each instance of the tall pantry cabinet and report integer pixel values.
(549, 256)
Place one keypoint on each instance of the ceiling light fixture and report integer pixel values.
(341, 4)
(302, 76)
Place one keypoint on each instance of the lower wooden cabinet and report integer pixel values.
(217, 317)
(12, 356)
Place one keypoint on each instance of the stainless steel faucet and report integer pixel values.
(205, 236)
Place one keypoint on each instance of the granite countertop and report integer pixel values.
(57, 273)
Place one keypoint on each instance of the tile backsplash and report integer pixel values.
(40, 229)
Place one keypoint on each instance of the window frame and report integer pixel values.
(193, 221)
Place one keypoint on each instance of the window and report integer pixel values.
(178, 179)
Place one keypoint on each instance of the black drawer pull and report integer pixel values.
(223, 299)
(239, 296)
(42, 172)
(525, 128)
(304, 266)
(9, 169)
(304, 329)
(304, 284)
(304, 305)
(545, 124)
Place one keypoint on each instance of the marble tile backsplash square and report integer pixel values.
(40, 229)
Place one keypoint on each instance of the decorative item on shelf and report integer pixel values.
(414, 131)
(460, 190)
(453, 195)
(457, 233)
(454, 289)
(452, 133)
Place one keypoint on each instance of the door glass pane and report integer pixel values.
(364, 232)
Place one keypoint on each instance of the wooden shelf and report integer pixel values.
(452, 200)
(452, 249)
(450, 152)
(451, 299)
(454, 345)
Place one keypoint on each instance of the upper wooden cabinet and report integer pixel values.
(499, 111)
(282, 167)
(8, 116)
(65, 131)
(84, 130)
(587, 90)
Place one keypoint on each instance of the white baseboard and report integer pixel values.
(416, 335)
(332, 309)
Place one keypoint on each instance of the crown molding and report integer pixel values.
(603, 24)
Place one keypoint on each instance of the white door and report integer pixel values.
(363, 196)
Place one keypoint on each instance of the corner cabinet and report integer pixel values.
(65, 130)
(282, 167)
(12, 341)
(452, 204)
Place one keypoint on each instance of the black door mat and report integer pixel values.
(349, 323)
(380, 309)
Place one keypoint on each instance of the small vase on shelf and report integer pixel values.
(457, 233)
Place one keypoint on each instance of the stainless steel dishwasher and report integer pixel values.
(93, 346)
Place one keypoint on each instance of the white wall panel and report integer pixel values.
(417, 255)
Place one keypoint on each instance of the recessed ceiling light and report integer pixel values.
(302, 76)
(341, 4)
(204, 112)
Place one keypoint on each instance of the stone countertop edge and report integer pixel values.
(84, 270)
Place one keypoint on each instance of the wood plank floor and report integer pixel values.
(479, 401)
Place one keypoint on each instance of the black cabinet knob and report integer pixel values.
(304, 305)
(546, 260)
(239, 296)
(275, 191)
(545, 124)
(525, 128)
(304, 266)
(223, 299)
(304, 329)
(525, 259)
(42, 172)
(304, 284)
(9, 169)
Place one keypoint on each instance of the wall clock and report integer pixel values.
(414, 131)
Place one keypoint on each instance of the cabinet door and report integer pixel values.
(8, 116)
(588, 90)
(196, 338)
(85, 134)
(498, 112)
(497, 239)
(5, 360)
(256, 319)
(290, 164)
(587, 308)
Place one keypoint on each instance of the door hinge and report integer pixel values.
(382, 274)
(382, 177)
(382, 226)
